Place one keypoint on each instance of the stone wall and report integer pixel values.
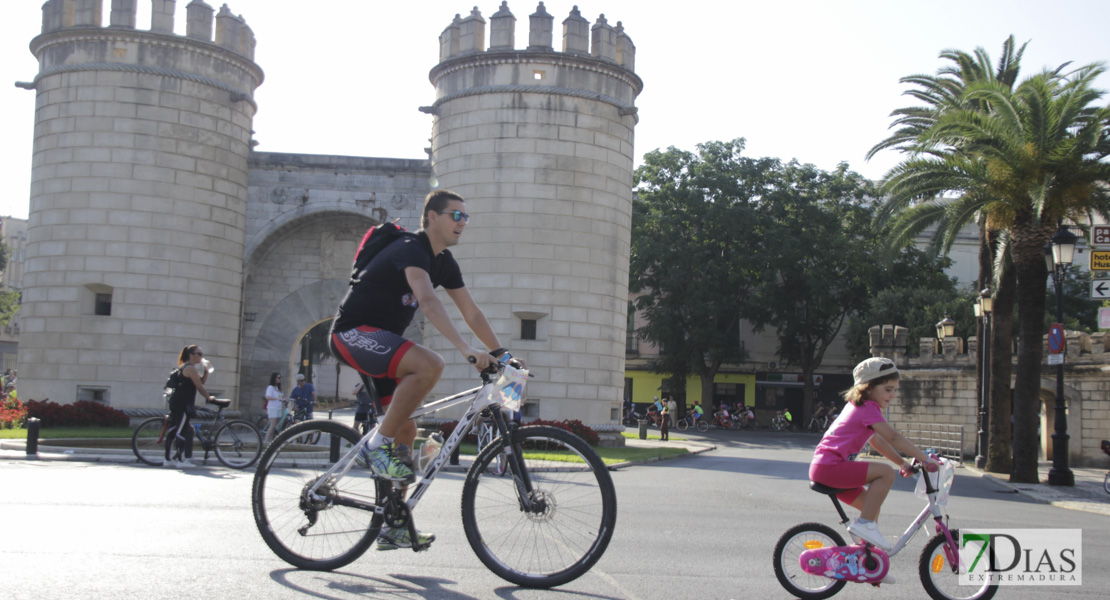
(938, 386)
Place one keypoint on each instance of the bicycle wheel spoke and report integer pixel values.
(312, 531)
(570, 519)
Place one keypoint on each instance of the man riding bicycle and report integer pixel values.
(371, 319)
(303, 396)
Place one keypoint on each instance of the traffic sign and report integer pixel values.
(1055, 359)
(1056, 339)
(1100, 289)
(1100, 260)
(1100, 236)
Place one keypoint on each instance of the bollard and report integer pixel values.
(643, 429)
(329, 414)
(32, 435)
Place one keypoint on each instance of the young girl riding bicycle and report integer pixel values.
(834, 464)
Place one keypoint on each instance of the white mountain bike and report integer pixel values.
(543, 524)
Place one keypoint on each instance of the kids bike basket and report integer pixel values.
(942, 481)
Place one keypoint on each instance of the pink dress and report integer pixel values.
(834, 462)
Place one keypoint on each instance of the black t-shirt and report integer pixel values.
(382, 298)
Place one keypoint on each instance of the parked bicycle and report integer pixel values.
(545, 523)
(287, 419)
(701, 423)
(237, 444)
(812, 561)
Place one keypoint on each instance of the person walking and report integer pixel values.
(665, 422)
(183, 400)
(273, 405)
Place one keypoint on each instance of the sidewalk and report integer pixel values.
(1087, 495)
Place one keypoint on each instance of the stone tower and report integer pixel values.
(138, 195)
(540, 143)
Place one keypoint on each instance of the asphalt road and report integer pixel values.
(700, 527)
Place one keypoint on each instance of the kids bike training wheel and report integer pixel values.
(238, 444)
(317, 531)
(939, 576)
(571, 512)
(788, 569)
(147, 441)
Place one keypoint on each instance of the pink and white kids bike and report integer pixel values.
(813, 562)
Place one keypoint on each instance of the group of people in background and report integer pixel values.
(303, 397)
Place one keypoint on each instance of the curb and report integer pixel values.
(1036, 493)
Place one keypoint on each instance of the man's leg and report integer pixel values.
(418, 372)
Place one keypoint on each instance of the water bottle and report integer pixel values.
(429, 451)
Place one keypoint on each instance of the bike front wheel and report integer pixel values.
(940, 576)
(238, 444)
(550, 519)
(148, 441)
(321, 529)
(788, 567)
(682, 424)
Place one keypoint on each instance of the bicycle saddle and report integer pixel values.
(221, 402)
(824, 489)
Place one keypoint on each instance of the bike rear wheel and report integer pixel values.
(238, 444)
(572, 515)
(148, 442)
(788, 568)
(702, 425)
(321, 531)
(939, 576)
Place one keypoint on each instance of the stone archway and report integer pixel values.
(1073, 401)
(295, 279)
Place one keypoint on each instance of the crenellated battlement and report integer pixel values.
(602, 41)
(203, 24)
(890, 341)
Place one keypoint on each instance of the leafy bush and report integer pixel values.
(576, 427)
(78, 414)
(13, 413)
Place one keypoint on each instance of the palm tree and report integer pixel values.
(941, 93)
(1027, 159)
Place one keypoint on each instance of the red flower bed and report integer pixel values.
(78, 414)
(576, 427)
(13, 414)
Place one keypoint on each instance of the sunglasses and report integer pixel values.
(198, 354)
(457, 215)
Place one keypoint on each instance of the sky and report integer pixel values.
(809, 80)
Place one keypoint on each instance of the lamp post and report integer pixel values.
(1059, 258)
(983, 308)
(946, 328)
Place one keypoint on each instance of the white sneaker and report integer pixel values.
(888, 578)
(869, 532)
(185, 464)
(169, 463)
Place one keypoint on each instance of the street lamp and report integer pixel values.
(946, 328)
(983, 307)
(1059, 255)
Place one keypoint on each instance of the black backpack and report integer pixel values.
(173, 381)
(375, 240)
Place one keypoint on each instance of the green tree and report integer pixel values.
(1026, 159)
(9, 300)
(819, 266)
(915, 209)
(695, 248)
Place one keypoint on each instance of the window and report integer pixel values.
(103, 305)
(538, 75)
(98, 394)
(96, 299)
(527, 329)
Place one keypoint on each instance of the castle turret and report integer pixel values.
(540, 143)
(139, 184)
